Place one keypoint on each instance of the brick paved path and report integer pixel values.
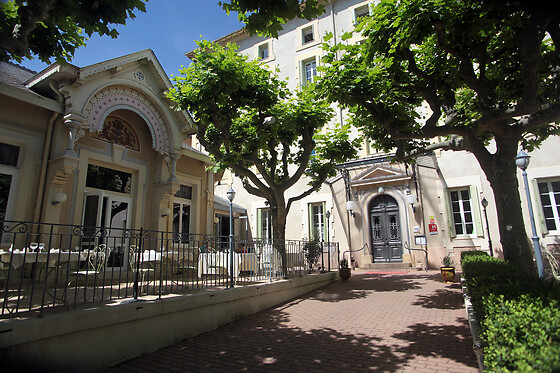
(373, 323)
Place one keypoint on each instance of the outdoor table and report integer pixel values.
(217, 263)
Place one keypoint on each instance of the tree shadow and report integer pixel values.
(441, 341)
(441, 298)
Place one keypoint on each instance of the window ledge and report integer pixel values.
(308, 45)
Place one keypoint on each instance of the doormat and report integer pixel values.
(386, 273)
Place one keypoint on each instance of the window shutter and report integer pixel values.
(310, 221)
(449, 209)
(538, 210)
(325, 238)
(476, 211)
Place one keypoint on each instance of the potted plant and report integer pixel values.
(312, 251)
(447, 269)
(344, 271)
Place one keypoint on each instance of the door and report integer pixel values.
(386, 241)
(111, 214)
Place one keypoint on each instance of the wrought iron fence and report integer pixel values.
(56, 266)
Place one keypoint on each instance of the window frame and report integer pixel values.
(478, 230)
(264, 214)
(554, 205)
(322, 223)
(182, 202)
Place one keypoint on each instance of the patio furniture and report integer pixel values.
(145, 268)
(96, 261)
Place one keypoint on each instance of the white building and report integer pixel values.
(439, 198)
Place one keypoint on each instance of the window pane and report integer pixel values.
(5, 184)
(465, 195)
(454, 196)
(555, 186)
(9, 154)
(543, 188)
(470, 228)
(108, 179)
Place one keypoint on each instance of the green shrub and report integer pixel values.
(521, 335)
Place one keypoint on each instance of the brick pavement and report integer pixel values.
(373, 323)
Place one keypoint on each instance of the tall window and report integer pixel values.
(9, 155)
(461, 206)
(307, 35)
(264, 222)
(317, 221)
(309, 71)
(549, 192)
(182, 214)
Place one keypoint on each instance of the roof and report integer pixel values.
(15, 75)
(223, 204)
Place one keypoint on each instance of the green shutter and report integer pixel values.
(310, 220)
(476, 211)
(325, 222)
(259, 224)
(538, 210)
(449, 209)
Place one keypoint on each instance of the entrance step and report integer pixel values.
(386, 266)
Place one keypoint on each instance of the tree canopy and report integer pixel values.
(232, 99)
(485, 71)
(56, 28)
(267, 17)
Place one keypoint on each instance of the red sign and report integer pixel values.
(432, 228)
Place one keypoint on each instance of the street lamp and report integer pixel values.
(328, 215)
(484, 205)
(522, 161)
(230, 196)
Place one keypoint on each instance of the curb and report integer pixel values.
(474, 328)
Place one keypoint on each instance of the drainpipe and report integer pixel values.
(37, 212)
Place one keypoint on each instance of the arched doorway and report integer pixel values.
(386, 239)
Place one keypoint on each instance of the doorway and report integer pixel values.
(386, 240)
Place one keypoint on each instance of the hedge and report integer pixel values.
(518, 314)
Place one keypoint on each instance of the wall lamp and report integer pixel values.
(350, 206)
(165, 212)
(59, 198)
(411, 198)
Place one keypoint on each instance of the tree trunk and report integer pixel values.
(279, 216)
(501, 172)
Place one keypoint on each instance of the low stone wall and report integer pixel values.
(101, 336)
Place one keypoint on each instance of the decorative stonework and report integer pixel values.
(110, 99)
(118, 131)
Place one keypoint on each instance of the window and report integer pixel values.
(317, 221)
(264, 222)
(309, 71)
(360, 12)
(9, 155)
(182, 214)
(462, 211)
(307, 35)
(549, 192)
(108, 179)
(264, 51)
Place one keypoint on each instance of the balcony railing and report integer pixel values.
(53, 267)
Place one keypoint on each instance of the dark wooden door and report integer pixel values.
(386, 240)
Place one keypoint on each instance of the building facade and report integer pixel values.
(100, 146)
(387, 212)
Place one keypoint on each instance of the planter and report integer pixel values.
(345, 273)
(447, 274)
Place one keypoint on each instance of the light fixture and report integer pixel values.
(350, 206)
(411, 199)
(59, 198)
(522, 161)
(484, 205)
(381, 190)
(269, 120)
(230, 194)
(165, 212)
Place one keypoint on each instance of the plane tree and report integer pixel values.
(56, 28)
(232, 101)
(486, 72)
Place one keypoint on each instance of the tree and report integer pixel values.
(487, 70)
(267, 17)
(55, 28)
(231, 98)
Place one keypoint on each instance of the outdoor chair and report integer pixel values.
(144, 269)
(96, 261)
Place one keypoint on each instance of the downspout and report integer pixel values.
(37, 212)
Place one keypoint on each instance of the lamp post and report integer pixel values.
(522, 161)
(230, 197)
(328, 215)
(484, 205)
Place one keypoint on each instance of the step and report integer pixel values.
(386, 266)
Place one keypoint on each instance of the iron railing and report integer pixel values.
(55, 267)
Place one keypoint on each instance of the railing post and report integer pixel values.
(135, 287)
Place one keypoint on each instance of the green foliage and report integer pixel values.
(267, 17)
(518, 314)
(521, 335)
(312, 250)
(56, 28)
(446, 261)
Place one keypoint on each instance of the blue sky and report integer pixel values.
(169, 27)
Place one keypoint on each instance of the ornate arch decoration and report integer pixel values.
(109, 99)
(118, 131)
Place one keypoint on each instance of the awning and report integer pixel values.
(223, 204)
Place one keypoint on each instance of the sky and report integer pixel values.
(169, 27)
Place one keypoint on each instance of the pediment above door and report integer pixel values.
(380, 175)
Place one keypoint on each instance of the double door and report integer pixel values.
(386, 240)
